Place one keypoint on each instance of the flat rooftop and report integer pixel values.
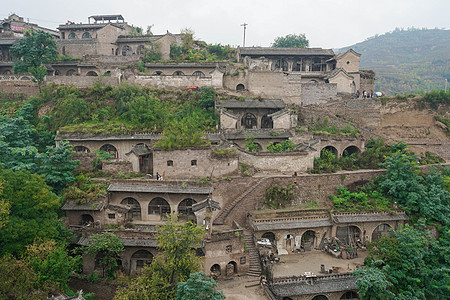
(299, 263)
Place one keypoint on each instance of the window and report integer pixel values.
(170, 163)
(193, 162)
(111, 216)
(72, 35)
(229, 249)
(86, 35)
(243, 260)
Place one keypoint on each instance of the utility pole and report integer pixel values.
(445, 83)
(245, 27)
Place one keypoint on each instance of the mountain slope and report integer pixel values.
(407, 60)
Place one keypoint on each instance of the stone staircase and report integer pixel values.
(253, 255)
(220, 219)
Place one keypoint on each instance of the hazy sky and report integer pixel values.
(326, 23)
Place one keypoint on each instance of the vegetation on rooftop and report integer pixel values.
(322, 127)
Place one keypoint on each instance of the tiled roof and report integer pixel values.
(71, 205)
(369, 217)
(159, 189)
(206, 203)
(266, 51)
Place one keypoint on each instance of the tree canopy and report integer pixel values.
(176, 261)
(291, 41)
(32, 52)
(199, 287)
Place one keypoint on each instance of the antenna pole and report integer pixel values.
(245, 27)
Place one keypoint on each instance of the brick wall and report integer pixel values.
(318, 93)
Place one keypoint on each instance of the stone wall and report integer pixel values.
(284, 163)
(81, 81)
(275, 85)
(173, 81)
(192, 163)
(116, 166)
(318, 93)
(364, 112)
(26, 87)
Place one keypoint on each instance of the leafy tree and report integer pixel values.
(284, 146)
(250, 144)
(107, 247)
(32, 52)
(4, 207)
(200, 287)
(291, 41)
(277, 197)
(33, 212)
(405, 266)
(51, 263)
(174, 264)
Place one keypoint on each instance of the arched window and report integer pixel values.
(159, 73)
(349, 235)
(57, 73)
(91, 73)
(330, 149)
(140, 259)
(81, 149)
(71, 72)
(178, 73)
(270, 236)
(185, 209)
(158, 206)
(126, 50)
(72, 35)
(308, 240)
(135, 210)
(320, 297)
(350, 150)
(199, 74)
(86, 35)
(240, 87)
(249, 121)
(110, 149)
(266, 122)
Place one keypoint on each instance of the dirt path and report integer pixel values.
(234, 289)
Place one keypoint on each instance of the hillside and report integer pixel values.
(407, 60)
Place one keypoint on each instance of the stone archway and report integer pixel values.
(330, 149)
(135, 211)
(199, 74)
(320, 297)
(86, 220)
(139, 260)
(266, 122)
(159, 206)
(126, 50)
(382, 229)
(215, 270)
(350, 295)
(231, 268)
(249, 121)
(185, 210)
(349, 235)
(110, 149)
(91, 73)
(81, 149)
(350, 150)
(240, 87)
(270, 236)
(308, 240)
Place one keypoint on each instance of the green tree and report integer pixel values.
(33, 212)
(32, 52)
(199, 287)
(373, 284)
(291, 41)
(176, 261)
(4, 207)
(107, 247)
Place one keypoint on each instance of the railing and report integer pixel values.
(304, 279)
(11, 77)
(292, 219)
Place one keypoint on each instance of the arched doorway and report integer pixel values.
(126, 50)
(139, 260)
(382, 229)
(135, 211)
(81, 149)
(110, 149)
(330, 149)
(86, 220)
(350, 235)
(266, 122)
(249, 121)
(320, 297)
(215, 270)
(240, 87)
(185, 210)
(231, 268)
(350, 150)
(159, 206)
(71, 72)
(308, 240)
(270, 236)
(350, 295)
